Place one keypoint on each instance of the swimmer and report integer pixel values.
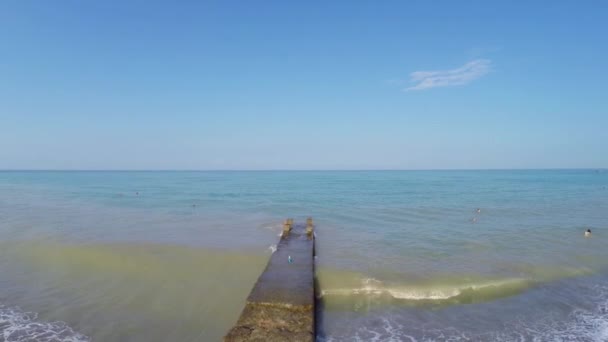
(478, 210)
(588, 233)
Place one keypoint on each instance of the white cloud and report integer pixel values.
(446, 78)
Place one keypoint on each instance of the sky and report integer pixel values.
(266, 85)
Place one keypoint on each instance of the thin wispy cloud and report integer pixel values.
(446, 78)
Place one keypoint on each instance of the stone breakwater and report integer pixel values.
(281, 306)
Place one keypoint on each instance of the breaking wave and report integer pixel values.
(581, 325)
(344, 287)
(488, 289)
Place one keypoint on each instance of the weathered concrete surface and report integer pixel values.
(281, 306)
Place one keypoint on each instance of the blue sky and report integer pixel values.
(303, 85)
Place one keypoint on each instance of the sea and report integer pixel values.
(475, 255)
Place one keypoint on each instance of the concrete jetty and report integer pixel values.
(281, 306)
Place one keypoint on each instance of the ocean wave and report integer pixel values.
(17, 325)
(583, 325)
(374, 287)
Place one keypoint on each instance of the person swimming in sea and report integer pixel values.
(478, 210)
(588, 233)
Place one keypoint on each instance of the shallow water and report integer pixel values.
(402, 255)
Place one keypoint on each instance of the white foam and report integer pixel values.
(272, 248)
(581, 325)
(20, 326)
(373, 287)
(388, 331)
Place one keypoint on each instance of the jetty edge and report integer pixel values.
(281, 305)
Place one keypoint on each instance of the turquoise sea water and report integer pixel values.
(402, 255)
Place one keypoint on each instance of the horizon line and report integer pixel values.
(302, 170)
